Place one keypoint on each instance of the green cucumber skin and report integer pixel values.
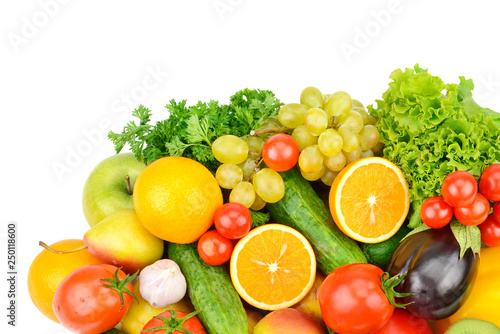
(303, 210)
(211, 292)
(380, 253)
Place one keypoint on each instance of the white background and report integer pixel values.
(67, 67)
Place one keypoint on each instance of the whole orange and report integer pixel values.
(175, 199)
(48, 269)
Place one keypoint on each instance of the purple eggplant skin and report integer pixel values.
(438, 279)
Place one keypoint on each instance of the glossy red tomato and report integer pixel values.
(490, 232)
(280, 152)
(86, 303)
(176, 323)
(403, 322)
(233, 220)
(214, 249)
(496, 211)
(352, 301)
(459, 189)
(475, 213)
(435, 212)
(489, 183)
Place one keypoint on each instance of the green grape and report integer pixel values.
(371, 120)
(255, 144)
(338, 103)
(248, 166)
(230, 149)
(243, 193)
(377, 148)
(356, 103)
(325, 100)
(330, 142)
(340, 119)
(336, 163)
(350, 139)
(310, 159)
(258, 204)
(269, 185)
(353, 156)
(328, 177)
(367, 154)
(362, 112)
(353, 121)
(303, 137)
(316, 121)
(311, 97)
(272, 124)
(314, 176)
(228, 175)
(292, 115)
(368, 137)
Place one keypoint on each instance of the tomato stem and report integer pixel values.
(173, 323)
(47, 247)
(388, 285)
(120, 286)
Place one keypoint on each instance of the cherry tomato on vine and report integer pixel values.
(435, 212)
(233, 220)
(280, 152)
(475, 213)
(403, 322)
(175, 323)
(490, 232)
(93, 298)
(355, 299)
(489, 183)
(214, 249)
(459, 189)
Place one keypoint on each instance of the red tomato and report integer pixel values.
(496, 211)
(85, 303)
(233, 220)
(280, 152)
(403, 322)
(180, 322)
(459, 189)
(489, 183)
(474, 214)
(352, 301)
(435, 212)
(214, 249)
(490, 232)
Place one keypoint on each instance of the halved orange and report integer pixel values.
(369, 199)
(273, 267)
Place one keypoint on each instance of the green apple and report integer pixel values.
(107, 190)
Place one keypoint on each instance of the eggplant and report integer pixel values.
(437, 278)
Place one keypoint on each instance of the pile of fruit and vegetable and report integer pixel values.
(314, 216)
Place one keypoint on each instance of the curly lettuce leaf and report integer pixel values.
(431, 129)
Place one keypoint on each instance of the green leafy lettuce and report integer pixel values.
(431, 129)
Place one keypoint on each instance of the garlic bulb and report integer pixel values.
(162, 283)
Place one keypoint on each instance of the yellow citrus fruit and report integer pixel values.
(141, 312)
(369, 199)
(175, 199)
(273, 267)
(48, 269)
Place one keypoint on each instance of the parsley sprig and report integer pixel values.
(189, 131)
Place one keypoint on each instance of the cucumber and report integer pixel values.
(211, 292)
(380, 253)
(303, 210)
